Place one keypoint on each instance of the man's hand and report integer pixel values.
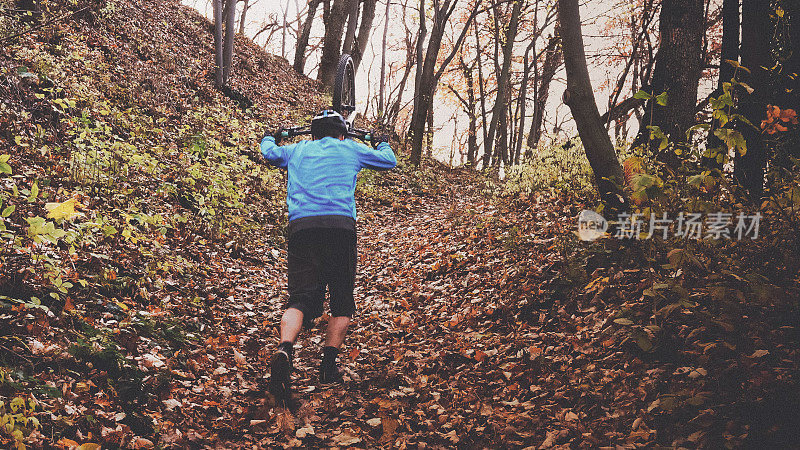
(376, 141)
(278, 135)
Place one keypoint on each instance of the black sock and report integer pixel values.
(329, 355)
(287, 347)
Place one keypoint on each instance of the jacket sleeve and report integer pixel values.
(381, 158)
(275, 154)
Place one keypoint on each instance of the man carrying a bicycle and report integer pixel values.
(322, 234)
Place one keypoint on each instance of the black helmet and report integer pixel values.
(328, 123)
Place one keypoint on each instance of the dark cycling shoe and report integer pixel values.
(280, 373)
(331, 375)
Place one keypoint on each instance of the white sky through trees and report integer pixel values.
(450, 120)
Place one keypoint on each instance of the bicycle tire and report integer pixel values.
(344, 86)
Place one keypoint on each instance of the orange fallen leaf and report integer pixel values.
(67, 443)
(354, 354)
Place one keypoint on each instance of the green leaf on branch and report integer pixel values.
(733, 139)
(661, 99)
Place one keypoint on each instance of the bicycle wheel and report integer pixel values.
(344, 86)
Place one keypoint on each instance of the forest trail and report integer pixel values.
(430, 357)
(405, 357)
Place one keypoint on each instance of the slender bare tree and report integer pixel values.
(579, 96)
(305, 34)
(499, 110)
(428, 74)
(382, 81)
(364, 31)
(224, 18)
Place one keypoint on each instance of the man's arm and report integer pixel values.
(276, 155)
(382, 158)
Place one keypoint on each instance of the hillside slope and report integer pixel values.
(115, 106)
(123, 190)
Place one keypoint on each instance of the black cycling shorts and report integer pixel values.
(320, 257)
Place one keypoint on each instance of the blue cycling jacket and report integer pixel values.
(322, 173)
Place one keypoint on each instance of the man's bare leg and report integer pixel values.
(337, 329)
(281, 367)
(291, 324)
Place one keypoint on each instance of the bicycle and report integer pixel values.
(344, 102)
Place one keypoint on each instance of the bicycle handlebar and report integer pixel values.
(294, 131)
(364, 135)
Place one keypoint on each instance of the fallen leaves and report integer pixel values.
(346, 439)
(65, 210)
(151, 361)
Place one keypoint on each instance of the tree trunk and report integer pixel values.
(418, 119)
(230, 18)
(421, 90)
(498, 111)
(756, 33)
(429, 76)
(352, 25)
(729, 52)
(500, 153)
(580, 99)
(510, 130)
(730, 40)
(218, 35)
(523, 98)
(472, 139)
(332, 42)
(679, 65)
(482, 91)
(364, 31)
(284, 30)
(552, 61)
(305, 34)
(382, 86)
(243, 17)
(429, 134)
